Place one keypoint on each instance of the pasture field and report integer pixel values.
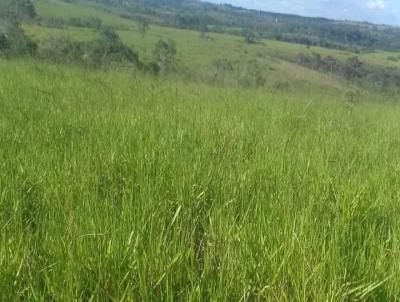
(197, 56)
(117, 186)
(195, 52)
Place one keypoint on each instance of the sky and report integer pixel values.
(375, 11)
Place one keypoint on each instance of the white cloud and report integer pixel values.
(376, 4)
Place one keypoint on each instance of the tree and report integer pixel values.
(17, 10)
(109, 36)
(203, 30)
(249, 37)
(221, 67)
(317, 62)
(255, 74)
(303, 59)
(353, 68)
(110, 48)
(14, 42)
(143, 27)
(4, 43)
(63, 49)
(164, 56)
(331, 63)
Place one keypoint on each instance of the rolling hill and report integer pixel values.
(169, 151)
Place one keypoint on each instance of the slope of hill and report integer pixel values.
(116, 186)
(353, 36)
(200, 53)
(205, 167)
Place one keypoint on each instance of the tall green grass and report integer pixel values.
(119, 187)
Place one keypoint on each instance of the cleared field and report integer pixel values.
(194, 49)
(198, 55)
(117, 186)
(65, 10)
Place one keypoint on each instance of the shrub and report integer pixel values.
(152, 68)
(392, 58)
(63, 49)
(249, 37)
(203, 28)
(143, 27)
(221, 67)
(254, 74)
(90, 22)
(353, 68)
(164, 56)
(17, 9)
(13, 41)
(109, 48)
(281, 86)
(53, 22)
(4, 43)
(352, 95)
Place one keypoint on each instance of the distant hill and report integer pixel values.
(193, 14)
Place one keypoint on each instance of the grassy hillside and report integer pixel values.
(194, 14)
(198, 55)
(65, 10)
(121, 187)
(197, 184)
(192, 48)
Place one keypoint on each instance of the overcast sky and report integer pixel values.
(376, 11)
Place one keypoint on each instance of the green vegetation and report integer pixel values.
(192, 14)
(119, 187)
(196, 53)
(17, 9)
(105, 50)
(196, 162)
(13, 41)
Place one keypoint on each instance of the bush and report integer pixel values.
(353, 68)
(17, 10)
(392, 58)
(254, 74)
(378, 78)
(143, 26)
(4, 43)
(63, 50)
(53, 22)
(221, 67)
(152, 68)
(13, 41)
(352, 95)
(90, 22)
(281, 86)
(249, 37)
(109, 48)
(164, 56)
